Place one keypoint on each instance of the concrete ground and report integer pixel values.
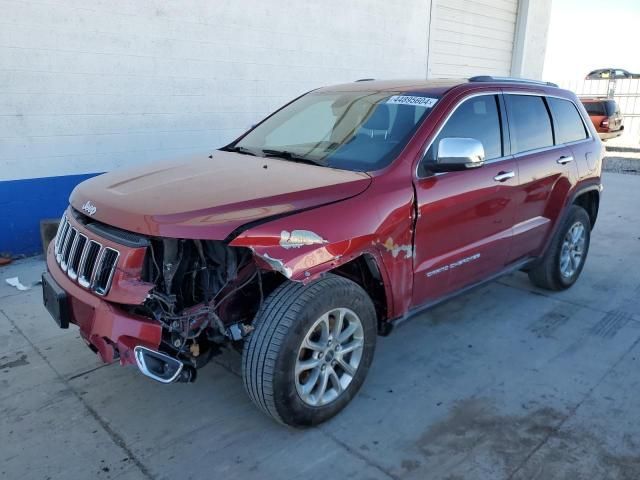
(627, 161)
(505, 382)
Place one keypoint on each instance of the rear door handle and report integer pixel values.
(565, 159)
(504, 176)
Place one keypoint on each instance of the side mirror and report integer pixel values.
(458, 154)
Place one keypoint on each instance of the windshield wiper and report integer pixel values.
(243, 150)
(284, 154)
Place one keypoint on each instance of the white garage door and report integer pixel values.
(471, 37)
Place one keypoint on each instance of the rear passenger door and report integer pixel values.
(571, 131)
(547, 171)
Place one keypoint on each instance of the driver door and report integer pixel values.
(465, 218)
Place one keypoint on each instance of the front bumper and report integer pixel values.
(108, 330)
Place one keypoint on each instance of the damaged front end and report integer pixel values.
(205, 295)
(171, 303)
(167, 305)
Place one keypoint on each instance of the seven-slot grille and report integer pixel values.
(84, 260)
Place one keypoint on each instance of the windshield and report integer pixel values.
(360, 131)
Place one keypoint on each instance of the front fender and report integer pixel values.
(305, 245)
(299, 254)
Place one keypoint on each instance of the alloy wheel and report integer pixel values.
(572, 252)
(329, 357)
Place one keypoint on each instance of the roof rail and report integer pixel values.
(489, 78)
(365, 79)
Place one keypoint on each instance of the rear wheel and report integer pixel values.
(310, 350)
(564, 260)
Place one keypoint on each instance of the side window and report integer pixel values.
(568, 124)
(477, 118)
(529, 123)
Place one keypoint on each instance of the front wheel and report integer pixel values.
(310, 350)
(564, 260)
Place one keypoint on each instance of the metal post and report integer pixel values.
(611, 88)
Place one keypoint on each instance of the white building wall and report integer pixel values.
(471, 37)
(88, 86)
(530, 43)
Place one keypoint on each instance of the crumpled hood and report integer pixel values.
(209, 198)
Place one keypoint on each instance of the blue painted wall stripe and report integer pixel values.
(23, 203)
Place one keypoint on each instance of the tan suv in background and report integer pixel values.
(605, 116)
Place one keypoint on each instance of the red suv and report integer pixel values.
(605, 116)
(348, 210)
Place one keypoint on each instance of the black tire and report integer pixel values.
(271, 351)
(547, 272)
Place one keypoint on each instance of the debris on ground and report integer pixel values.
(15, 282)
(5, 261)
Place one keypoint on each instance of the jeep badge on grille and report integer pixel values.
(89, 208)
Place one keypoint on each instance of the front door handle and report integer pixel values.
(563, 160)
(504, 176)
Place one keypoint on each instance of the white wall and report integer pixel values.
(90, 85)
(530, 44)
(471, 37)
(87, 86)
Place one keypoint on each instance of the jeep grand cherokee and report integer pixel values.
(346, 211)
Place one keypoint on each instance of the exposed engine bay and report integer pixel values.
(206, 294)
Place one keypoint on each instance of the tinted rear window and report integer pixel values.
(594, 108)
(529, 123)
(569, 126)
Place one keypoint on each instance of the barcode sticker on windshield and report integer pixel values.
(413, 100)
